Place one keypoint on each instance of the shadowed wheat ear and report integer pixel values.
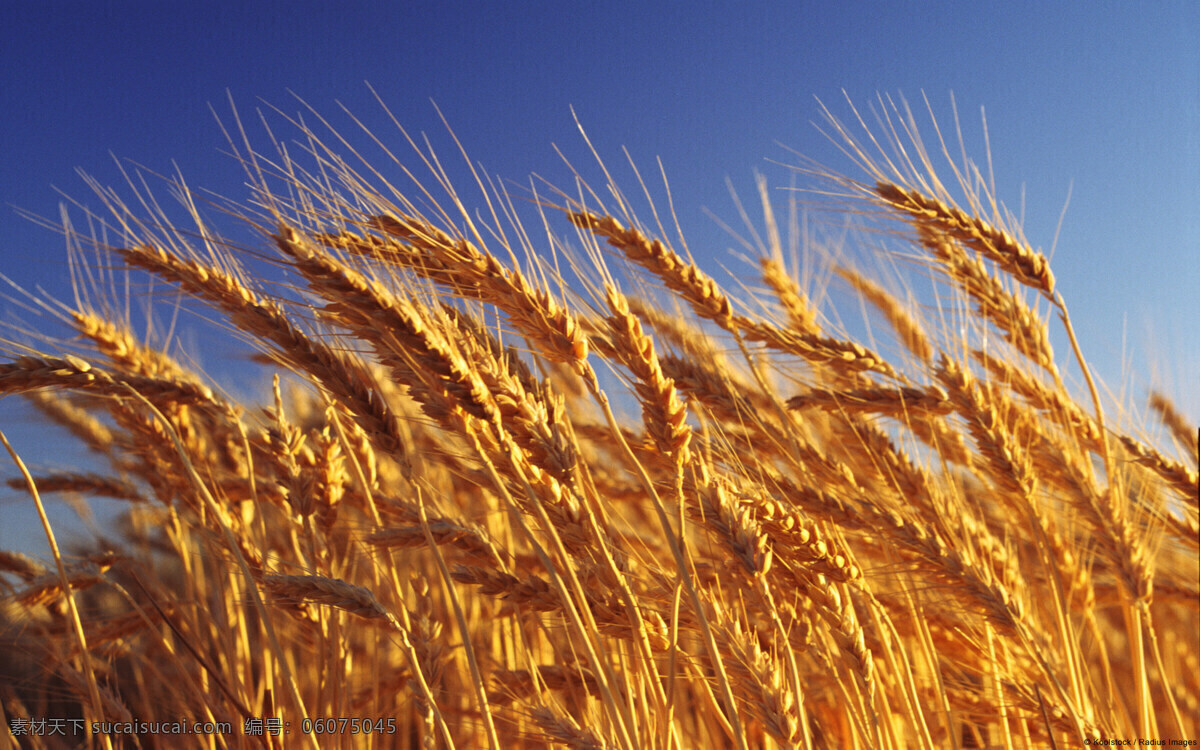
(331, 592)
(1184, 432)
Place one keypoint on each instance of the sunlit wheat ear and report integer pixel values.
(1019, 260)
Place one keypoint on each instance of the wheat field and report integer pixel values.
(511, 482)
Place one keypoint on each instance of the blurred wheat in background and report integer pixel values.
(523, 483)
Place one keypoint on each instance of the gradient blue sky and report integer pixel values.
(1101, 99)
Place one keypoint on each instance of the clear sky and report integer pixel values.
(1100, 100)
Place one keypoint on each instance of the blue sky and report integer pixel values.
(1099, 100)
